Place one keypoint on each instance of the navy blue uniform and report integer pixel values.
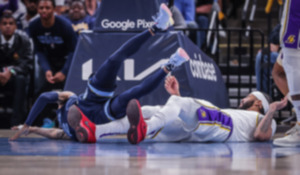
(53, 45)
(98, 102)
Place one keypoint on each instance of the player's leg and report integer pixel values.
(291, 64)
(105, 77)
(118, 104)
(121, 126)
(140, 128)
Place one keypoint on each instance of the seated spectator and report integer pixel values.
(77, 16)
(54, 41)
(203, 9)
(179, 22)
(24, 19)
(261, 61)
(92, 6)
(15, 64)
(60, 7)
(187, 9)
(11, 5)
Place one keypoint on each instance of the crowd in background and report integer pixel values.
(47, 31)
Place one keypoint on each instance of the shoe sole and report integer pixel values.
(134, 114)
(80, 127)
(286, 145)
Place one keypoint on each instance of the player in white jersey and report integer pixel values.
(189, 119)
(290, 42)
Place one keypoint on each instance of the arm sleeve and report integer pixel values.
(66, 67)
(43, 62)
(44, 99)
(71, 41)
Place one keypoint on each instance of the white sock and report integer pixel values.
(296, 105)
(117, 127)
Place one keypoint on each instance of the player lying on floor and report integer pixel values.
(189, 119)
(77, 114)
(200, 121)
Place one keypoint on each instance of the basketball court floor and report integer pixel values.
(36, 155)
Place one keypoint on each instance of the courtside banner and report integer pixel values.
(200, 77)
(125, 15)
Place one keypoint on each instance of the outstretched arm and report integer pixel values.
(51, 133)
(263, 131)
(172, 85)
(39, 105)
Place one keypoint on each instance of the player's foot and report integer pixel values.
(164, 18)
(138, 128)
(177, 59)
(84, 128)
(290, 140)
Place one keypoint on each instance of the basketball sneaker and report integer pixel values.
(84, 128)
(164, 18)
(290, 140)
(138, 127)
(177, 59)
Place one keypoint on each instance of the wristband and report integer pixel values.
(12, 71)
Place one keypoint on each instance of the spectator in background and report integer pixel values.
(203, 9)
(187, 9)
(261, 62)
(92, 6)
(54, 41)
(77, 16)
(60, 7)
(15, 63)
(11, 5)
(24, 19)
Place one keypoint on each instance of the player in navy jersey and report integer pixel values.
(77, 114)
(54, 41)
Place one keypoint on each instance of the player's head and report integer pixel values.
(7, 24)
(46, 9)
(256, 101)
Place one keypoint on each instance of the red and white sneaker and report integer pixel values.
(138, 127)
(84, 128)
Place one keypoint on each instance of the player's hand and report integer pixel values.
(49, 76)
(59, 77)
(277, 105)
(21, 130)
(172, 85)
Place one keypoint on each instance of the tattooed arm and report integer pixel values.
(51, 133)
(263, 131)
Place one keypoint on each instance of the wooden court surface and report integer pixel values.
(36, 155)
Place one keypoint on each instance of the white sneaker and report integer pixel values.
(291, 140)
(164, 19)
